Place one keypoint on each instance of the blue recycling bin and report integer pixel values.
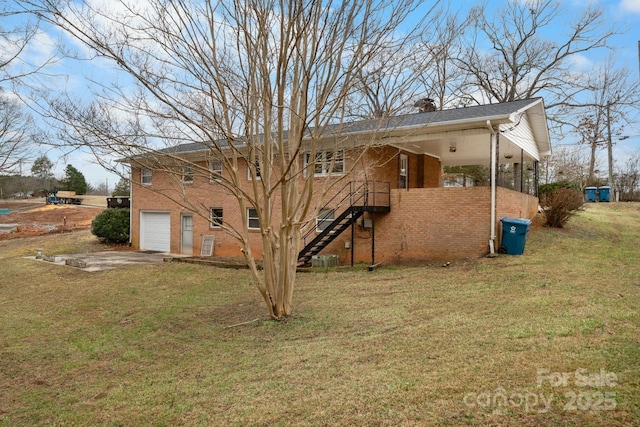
(604, 193)
(590, 194)
(514, 235)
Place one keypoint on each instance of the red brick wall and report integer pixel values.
(204, 195)
(513, 204)
(432, 172)
(434, 224)
(384, 163)
(424, 223)
(429, 224)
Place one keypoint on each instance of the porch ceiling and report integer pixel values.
(522, 134)
(465, 149)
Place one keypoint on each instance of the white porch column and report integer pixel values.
(493, 138)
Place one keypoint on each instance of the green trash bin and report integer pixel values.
(514, 235)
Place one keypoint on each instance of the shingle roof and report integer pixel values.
(434, 118)
(478, 112)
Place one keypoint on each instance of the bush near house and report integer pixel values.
(112, 226)
(560, 200)
(552, 186)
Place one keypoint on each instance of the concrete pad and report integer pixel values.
(8, 228)
(99, 261)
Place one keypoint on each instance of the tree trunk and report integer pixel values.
(592, 164)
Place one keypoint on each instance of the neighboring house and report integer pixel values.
(399, 210)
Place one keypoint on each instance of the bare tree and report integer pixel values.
(508, 56)
(569, 163)
(592, 130)
(16, 132)
(17, 128)
(399, 79)
(18, 31)
(248, 80)
(13, 42)
(610, 101)
(628, 179)
(434, 62)
(389, 84)
(385, 87)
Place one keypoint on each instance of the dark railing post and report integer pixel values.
(353, 239)
(362, 197)
(373, 238)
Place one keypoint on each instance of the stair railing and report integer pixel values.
(352, 197)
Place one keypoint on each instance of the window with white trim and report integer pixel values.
(324, 218)
(403, 181)
(187, 174)
(326, 162)
(216, 218)
(257, 165)
(146, 176)
(215, 170)
(253, 222)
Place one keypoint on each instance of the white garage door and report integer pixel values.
(155, 231)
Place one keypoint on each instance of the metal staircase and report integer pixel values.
(358, 197)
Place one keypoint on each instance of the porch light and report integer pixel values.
(452, 149)
(508, 154)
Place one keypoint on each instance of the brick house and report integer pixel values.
(392, 207)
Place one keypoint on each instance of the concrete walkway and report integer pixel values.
(99, 261)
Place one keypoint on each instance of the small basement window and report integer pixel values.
(253, 222)
(216, 218)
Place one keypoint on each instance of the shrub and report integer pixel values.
(547, 194)
(552, 186)
(112, 226)
(559, 204)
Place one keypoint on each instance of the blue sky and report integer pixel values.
(623, 14)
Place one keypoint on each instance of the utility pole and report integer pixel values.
(609, 147)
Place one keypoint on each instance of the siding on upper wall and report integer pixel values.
(522, 135)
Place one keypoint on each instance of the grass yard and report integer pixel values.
(551, 338)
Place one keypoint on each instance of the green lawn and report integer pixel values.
(551, 338)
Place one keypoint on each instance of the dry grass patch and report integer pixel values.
(398, 346)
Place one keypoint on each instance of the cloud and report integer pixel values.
(41, 49)
(580, 62)
(630, 6)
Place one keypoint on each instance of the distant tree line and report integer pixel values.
(42, 182)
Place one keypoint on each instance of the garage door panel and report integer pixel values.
(155, 231)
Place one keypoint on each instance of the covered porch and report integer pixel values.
(509, 136)
(442, 223)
